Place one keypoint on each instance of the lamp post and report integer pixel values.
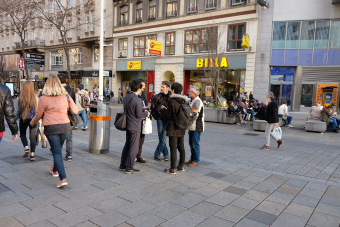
(101, 50)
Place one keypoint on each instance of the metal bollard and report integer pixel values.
(100, 123)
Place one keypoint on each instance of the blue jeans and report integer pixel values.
(252, 113)
(82, 114)
(334, 123)
(244, 116)
(337, 120)
(194, 142)
(0, 139)
(161, 148)
(289, 118)
(56, 143)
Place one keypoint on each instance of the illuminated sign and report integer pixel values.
(134, 65)
(155, 47)
(205, 63)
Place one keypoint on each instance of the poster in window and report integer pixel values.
(155, 47)
(208, 90)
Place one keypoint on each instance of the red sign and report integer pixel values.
(21, 63)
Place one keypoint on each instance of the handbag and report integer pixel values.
(277, 132)
(284, 117)
(120, 121)
(73, 117)
(147, 126)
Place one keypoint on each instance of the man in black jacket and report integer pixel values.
(272, 119)
(7, 111)
(134, 113)
(161, 99)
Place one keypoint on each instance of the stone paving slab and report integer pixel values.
(236, 184)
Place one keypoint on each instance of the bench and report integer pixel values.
(259, 125)
(219, 116)
(315, 126)
(280, 122)
(229, 119)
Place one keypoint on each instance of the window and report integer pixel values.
(52, 6)
(41, 9)
(33, 35)
(59, 34)
(139, 12)
(79, 2)
(57, 57)
(140, 45)
(51, 34)
(211, 4)
(237, 2)
(13, 35)
(69, 4)
(69, 27)
(96, 54)
(104, 20)
(79, 27)
(152, 12)
(171, 8)
(122, 44)
(26, 36)
(87, 19)
(192, 6)
(170, 43)
(307, 34)
(3, 42)
(335, 35)
(322, 34)
(41, 35)
(200, 40)
(124, 16)
(235, 37)
(293, 35)
(7, 41)
(75, 58)
(92, 21)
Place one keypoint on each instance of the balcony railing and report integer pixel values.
(171, 13)
(211, 5)
(30, 43)
(123, 22)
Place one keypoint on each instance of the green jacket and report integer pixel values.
(325, 115)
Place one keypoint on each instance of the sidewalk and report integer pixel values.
(236, 184)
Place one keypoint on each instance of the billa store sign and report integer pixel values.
(134, 65)
(155, 47)
(205, 63)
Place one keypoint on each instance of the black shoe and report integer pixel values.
(166, 158)
(170, 171)
(68, 158)
(336, 130)
(121, 169)
(157, 159)
(127, 171)
(141, 160)
(32, 157)
(180, 169)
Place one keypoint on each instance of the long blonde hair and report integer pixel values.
(27, 99)
(53, 87)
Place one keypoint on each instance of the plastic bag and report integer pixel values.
(277, 132)
(147, 126)
(245, 42)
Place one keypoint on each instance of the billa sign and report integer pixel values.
(134, 65)
(205, 63)
(155, 47)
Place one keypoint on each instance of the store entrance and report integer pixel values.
(282, 92)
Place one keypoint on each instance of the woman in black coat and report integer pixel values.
(262, 113)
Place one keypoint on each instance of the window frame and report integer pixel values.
(237, 4)
(140, 12)
(200, 39)
(166, 33)
(126, 16)
(123, 39)
(155, 8)
(189, 8)
(53, 59)
(214, 4)
(92, 19)
(245, 31)
(144, 36)
(87, 19)
(172, 2)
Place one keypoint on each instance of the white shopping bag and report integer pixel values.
(147, 126)
(277, 132)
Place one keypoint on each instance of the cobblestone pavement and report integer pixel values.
(236, 184)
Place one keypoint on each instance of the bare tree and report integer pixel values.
(17, 16)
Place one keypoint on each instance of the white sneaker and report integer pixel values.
(244, 122)
(238, 123)
(291, 126)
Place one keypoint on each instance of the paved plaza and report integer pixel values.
(236, 184)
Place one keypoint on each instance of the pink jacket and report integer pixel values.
(53, 110)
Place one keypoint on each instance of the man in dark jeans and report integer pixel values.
(176, 136)
(142, 136)
(134, 113)
(159, 114)
(69, 144)
(7, 111)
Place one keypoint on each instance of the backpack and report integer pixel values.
(184, 117)
(84, 101)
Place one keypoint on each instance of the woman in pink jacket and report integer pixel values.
(52, 108)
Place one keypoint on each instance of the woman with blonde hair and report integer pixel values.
(53, 107)
(315, 112)
(28, 106)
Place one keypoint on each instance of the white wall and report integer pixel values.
(288, 10)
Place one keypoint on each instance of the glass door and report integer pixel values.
(282, 92)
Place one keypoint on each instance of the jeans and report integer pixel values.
(337, 120)
(244, 116)
(82, 114)
(161, 148)
(57, 142)
(289, 118)
(269, 133)
(24, 124)
(194, 142)
(252, 113)
(334, 123)
(69, 144)
(0, 139)
(176, 143)
(130, 150)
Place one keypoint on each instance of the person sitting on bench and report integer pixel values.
(233, 111)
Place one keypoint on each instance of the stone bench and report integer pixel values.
(259, 125)
(315, 126)
(229, 119)
(219, 116)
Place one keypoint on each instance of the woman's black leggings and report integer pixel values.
(24, 124)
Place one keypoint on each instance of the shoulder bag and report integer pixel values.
(120, 121)
(73, 117)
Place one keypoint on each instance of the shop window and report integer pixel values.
(140, 45)
(322, 34)
(235, 37)
(122, 44)
(124, 16)
(192, 6)
(152, 10)
(200, 40)
(307, 34)
(170, 43)
(293, 35)
(279, 35)
(139, 12)
(96, 54)
(307, 95)
(211, 4)
(171, 8)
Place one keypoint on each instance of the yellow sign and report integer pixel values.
(40, 77)
(327, 94)
(134, 65)
(201, 63)
(155, 47)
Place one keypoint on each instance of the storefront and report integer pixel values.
(90, 80)
(76, 77)
(11, 76)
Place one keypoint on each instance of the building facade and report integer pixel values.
(183, 28)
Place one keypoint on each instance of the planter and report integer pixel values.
(218, 115)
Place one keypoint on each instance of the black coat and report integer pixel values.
(232, 109)
(272, 112)
(7, 110)
(235, 99)
(156, 103)
(70, 92)
(262, 113)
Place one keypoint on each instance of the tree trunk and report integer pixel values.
(24, 57)
(65, 44)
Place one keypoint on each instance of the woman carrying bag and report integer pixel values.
(53, 108)
(27, 106)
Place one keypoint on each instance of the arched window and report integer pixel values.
(139, 12)
(152, 12)
(124, 15)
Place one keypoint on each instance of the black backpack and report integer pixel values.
(184, 117)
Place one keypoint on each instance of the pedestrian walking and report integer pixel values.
(69, 140)
(27, 108)
(272, 120)
(112, 95)
(120, 96)
(197, 127)
(7, 112)
(159, 114)
(142, 136)
(134, 114)
(94, 96)
(81, 111)
(52, 108)
(176, 136)
(107, 95)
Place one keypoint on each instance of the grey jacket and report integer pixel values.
(134, 112)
